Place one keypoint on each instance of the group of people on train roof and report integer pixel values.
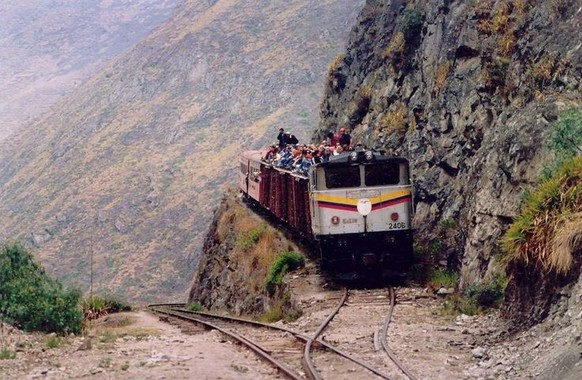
(288, 154)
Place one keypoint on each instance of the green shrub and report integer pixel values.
(30, 299)
(488, 294)
(250, 238)
(443, 278)
(195, 306)
(285, 262)
(478, 297)
(99, 306)
(565, 139)
(411, 24)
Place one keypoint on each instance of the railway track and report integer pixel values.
(295, 354)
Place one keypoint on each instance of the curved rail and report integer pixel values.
(384, 333)
(297, 334)
(256, 348)
(313, 374)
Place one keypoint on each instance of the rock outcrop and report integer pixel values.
(468, 92)
(238, 254)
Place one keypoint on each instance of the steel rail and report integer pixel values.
(301, 336)
(297, 334)
(256, 348)
(312, 371)
(384, 338)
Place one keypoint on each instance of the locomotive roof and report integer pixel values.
(341, 159)
(344, 158)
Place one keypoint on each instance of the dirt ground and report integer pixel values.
(134, 345)
(431, 342)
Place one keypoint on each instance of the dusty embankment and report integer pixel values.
(135, 345)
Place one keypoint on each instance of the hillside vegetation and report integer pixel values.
(243, 265)
(543, 245)
(31, 300)
(130, 167)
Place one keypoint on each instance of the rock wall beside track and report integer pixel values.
(236, 258)
(469, 92)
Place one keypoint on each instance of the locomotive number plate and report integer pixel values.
(396, 226)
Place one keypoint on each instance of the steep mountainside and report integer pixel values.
(129, 168)
(48, 47)
(467, 91)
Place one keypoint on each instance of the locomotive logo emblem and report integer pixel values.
(335, 219)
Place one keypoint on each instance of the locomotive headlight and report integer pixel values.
(394, 216)
(353, 156)
(369, 155)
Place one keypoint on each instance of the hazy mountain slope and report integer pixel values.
(47, 47)
(131, 165)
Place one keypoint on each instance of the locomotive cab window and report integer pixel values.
(342, 176)
(382, 175)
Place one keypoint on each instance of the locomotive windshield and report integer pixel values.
(377, 174)
(381, 175)
(342, 176)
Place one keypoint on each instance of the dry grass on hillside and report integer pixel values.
(568, 239)
(548, 230)
(256, 244)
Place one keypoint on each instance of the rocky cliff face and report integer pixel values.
(467, 91)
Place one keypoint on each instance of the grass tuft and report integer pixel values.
(195, 306)
(443, 278)
(568, 239)
(6, 354)
(287, 261)
(100, 306)
(53, 342)
(395, 119)
(542, 225)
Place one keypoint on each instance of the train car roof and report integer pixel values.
(253, 155)
(257, 156)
